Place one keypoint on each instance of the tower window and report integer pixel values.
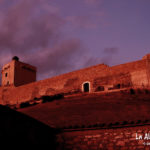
(7, 82)
(6, 74)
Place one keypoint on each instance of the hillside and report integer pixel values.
(90, 109)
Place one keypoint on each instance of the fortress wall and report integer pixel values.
(139, 78)
(148, 70)
(127, 75)
(129, 67)
(130, 73)
(114, 139)
(58, 84)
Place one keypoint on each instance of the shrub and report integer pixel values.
(132, 91)
(46, 98)
(117, 123)
(146, 91)
(146, 121)
(139, 91)
(25, 104)
(125, 122)
(110, 125)
(139, 121)
(132, 122)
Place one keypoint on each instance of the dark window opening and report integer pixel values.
(86, 87)
(6, 74)
(118, 86)
(111, 88)
(100, 88)
(132, 91)
(7, 82)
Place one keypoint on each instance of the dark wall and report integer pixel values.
(18, 129)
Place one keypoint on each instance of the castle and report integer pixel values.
(20, 78)
(111, 109)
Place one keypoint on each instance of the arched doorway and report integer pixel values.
(86, 87)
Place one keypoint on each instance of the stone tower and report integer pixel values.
(17, 73)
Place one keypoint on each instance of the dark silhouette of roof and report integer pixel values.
(20, 129)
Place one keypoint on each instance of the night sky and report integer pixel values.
(59, 36)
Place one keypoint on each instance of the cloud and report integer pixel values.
(111, 50)
(32, 30)
(23, 28)
(108, 54)
(90, 21)
(60, 59)
(91, 61)
(93, 2)
(81, 21)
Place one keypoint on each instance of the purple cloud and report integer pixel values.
(93, 2)
(81, 22)
(108, 54)
(32, 30)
